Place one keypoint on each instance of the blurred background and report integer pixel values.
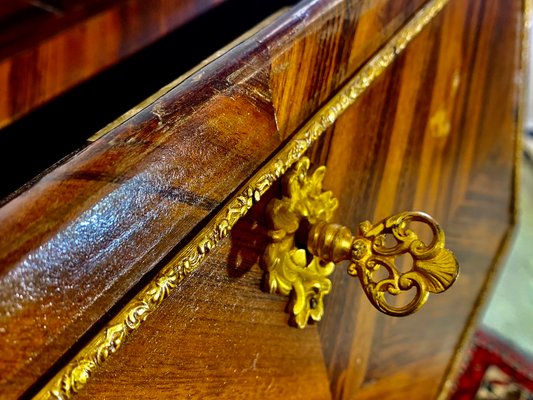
(509, 312)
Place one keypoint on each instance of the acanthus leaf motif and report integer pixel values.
(288, 270)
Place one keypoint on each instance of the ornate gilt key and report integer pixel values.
(372, 258)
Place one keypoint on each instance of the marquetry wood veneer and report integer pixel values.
(410, 104)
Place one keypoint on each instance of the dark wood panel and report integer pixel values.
(48, 47)
(8, 8)
(81, 236)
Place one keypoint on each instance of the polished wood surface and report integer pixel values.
(82, 236)
(8, 8)
(390, 152)
(464, 67)
(435, 132)
(220, 336)
(47, 47)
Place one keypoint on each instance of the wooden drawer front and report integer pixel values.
(434, 132)
(79, 238)
(406, 113)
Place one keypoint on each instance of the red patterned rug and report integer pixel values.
(494, 369)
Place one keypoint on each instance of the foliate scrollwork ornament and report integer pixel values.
(433, 267)
(289, 272)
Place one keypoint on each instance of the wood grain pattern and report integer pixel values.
(219, 336)
(84, 234)
(48, 47)
(384, 155)
(465, 179)
(54, 131)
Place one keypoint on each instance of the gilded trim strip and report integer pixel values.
(74, 376)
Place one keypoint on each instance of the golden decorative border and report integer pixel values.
(74, 376)
(454, 368)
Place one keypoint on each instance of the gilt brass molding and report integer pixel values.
(289, 272)
(75, 375)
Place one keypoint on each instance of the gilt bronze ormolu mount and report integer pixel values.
(291, 272)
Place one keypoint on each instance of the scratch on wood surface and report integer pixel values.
(254, 364)
(158, 112)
